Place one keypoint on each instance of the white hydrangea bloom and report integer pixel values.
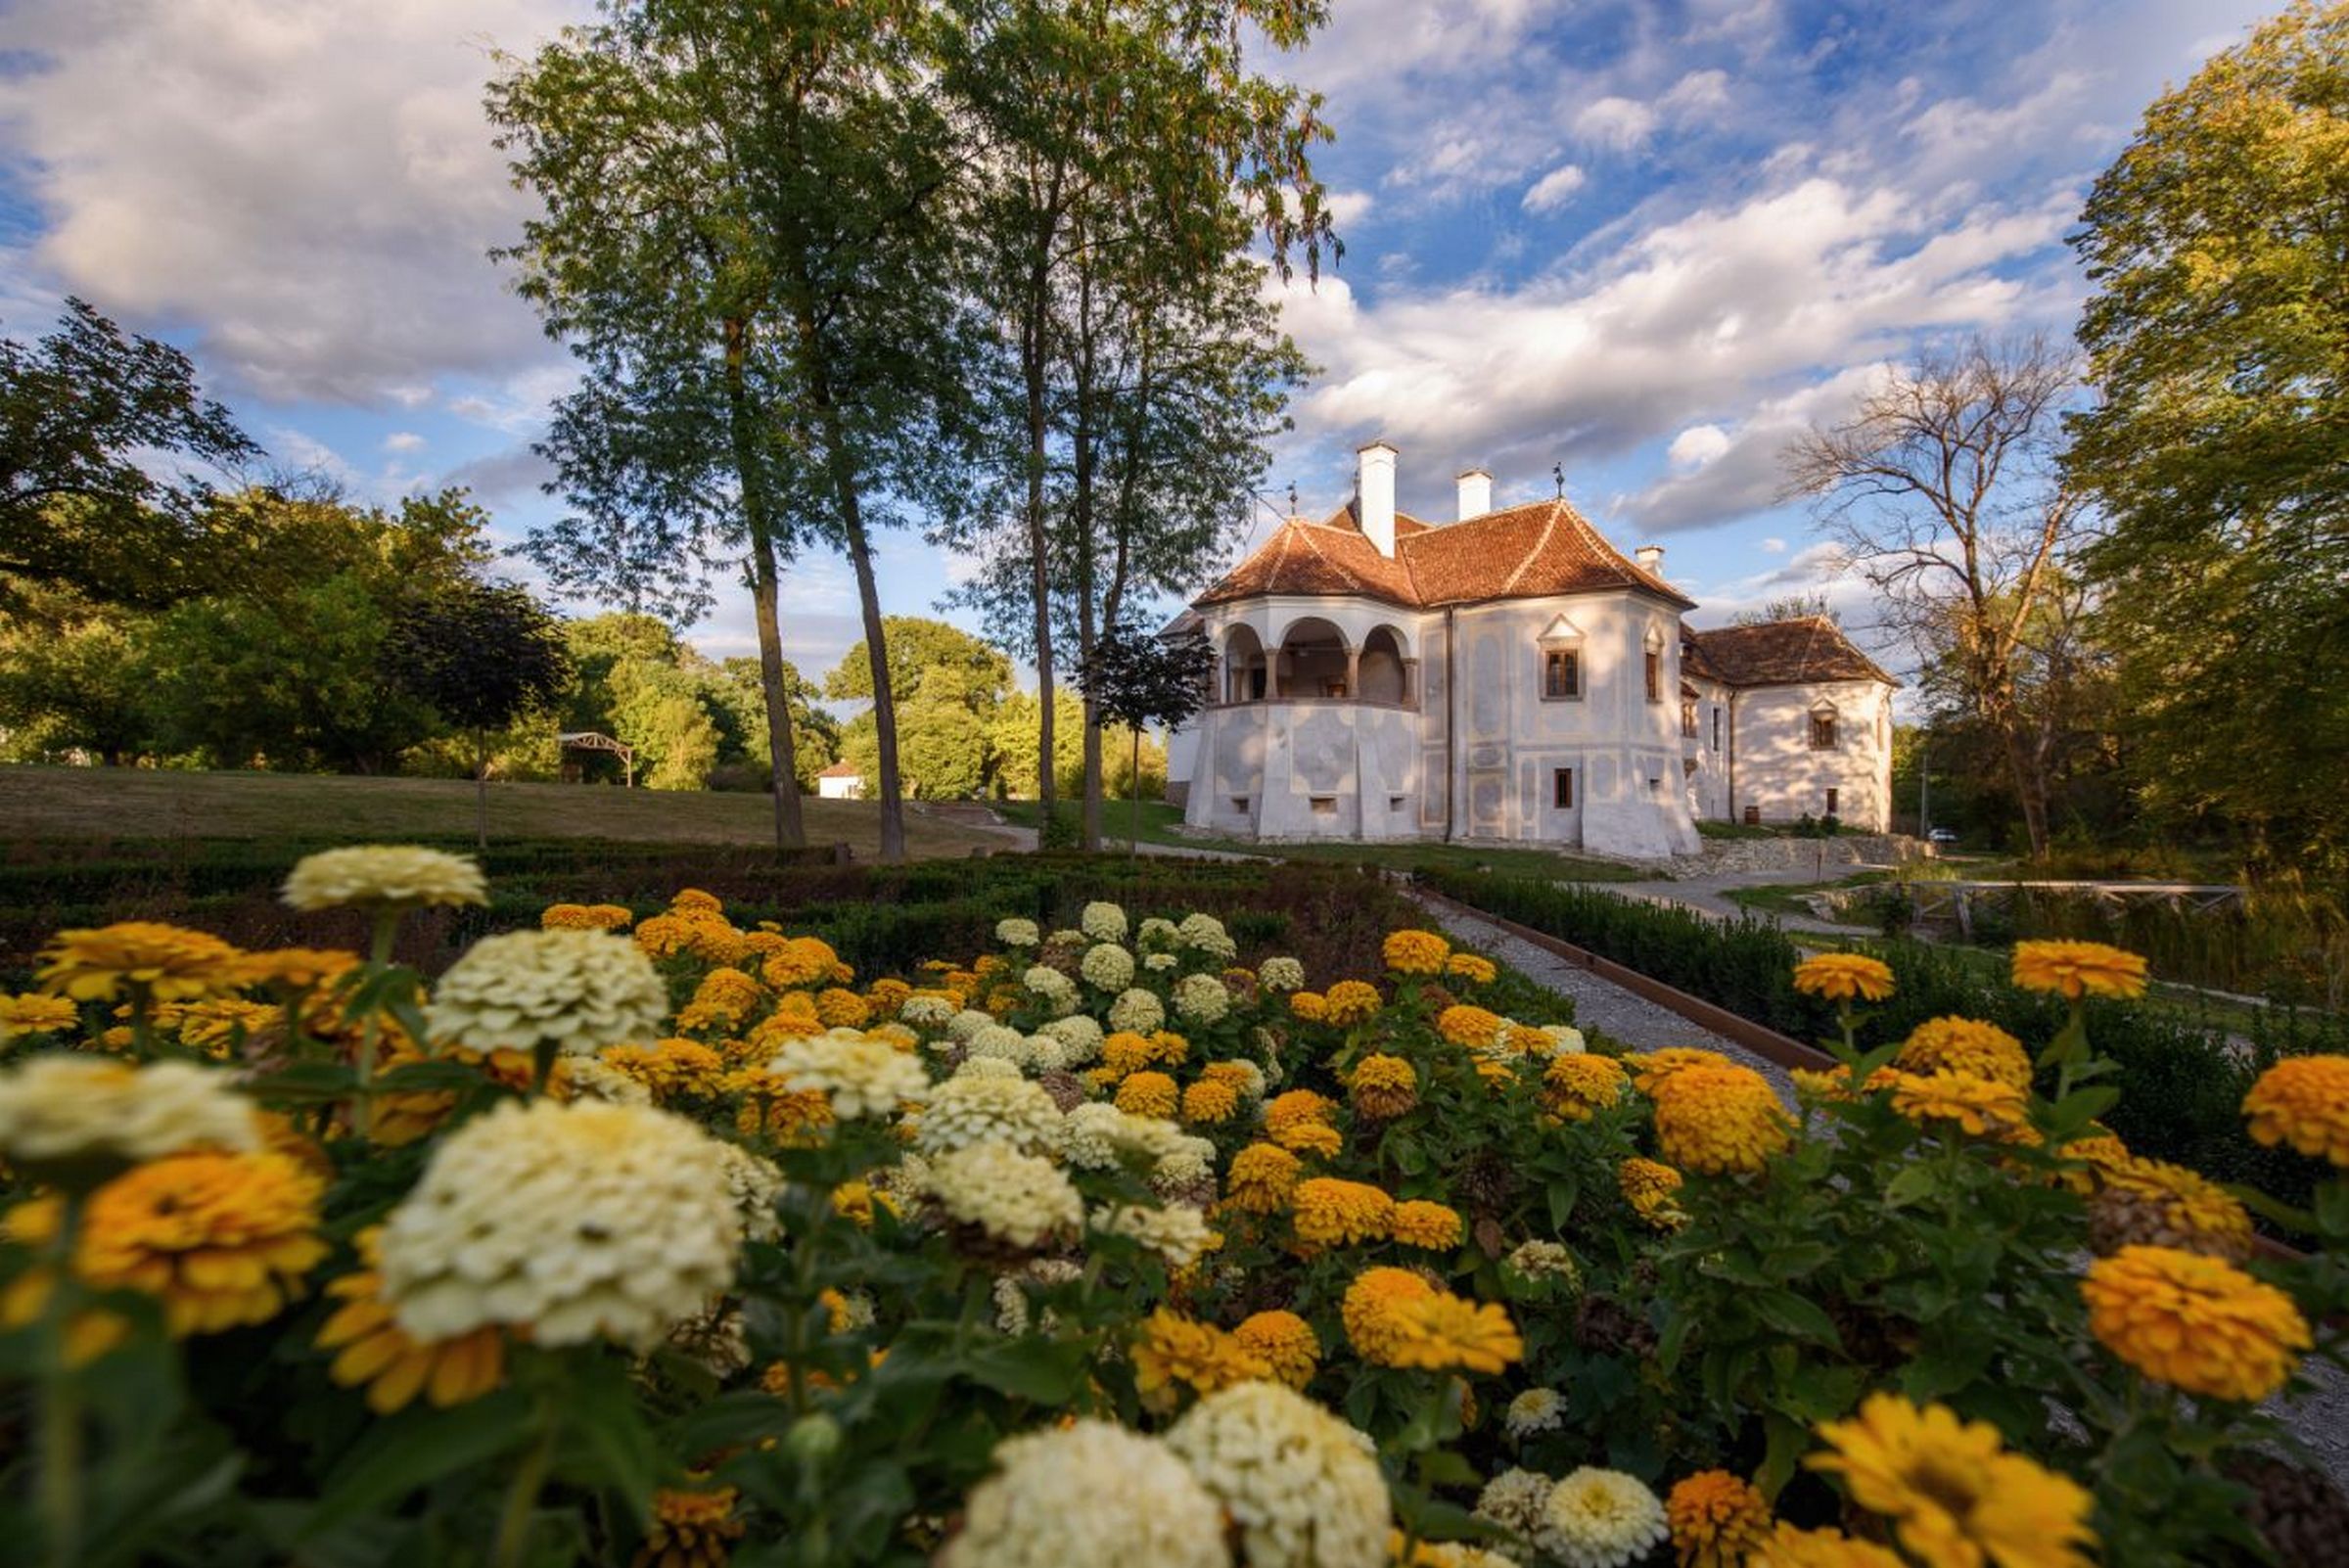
(1205, 935)
(1011, 1306)
(575, 1219)
(753, 1183)
(1177, 1232)
(1514, 1501)
(383, 876)
(1090, 1492)
(1158, 935)
(1543, 1259)
(861, 1076)
(60, 1107)
(1565, 1040)
(1302, 1487)
(1079, 1037)
(1201, 999)
(1536, 1410)
(1137, 1012)
(1013, 1197)
(1598, 1518)
(1107, 967)
(987, 1067)
(1281, 974)
(1066, 938)
(1103, 922)
(1045, 1053)
(1000, 1041)
(1182, 1161)
(1158, 963)
(963, 1111)
(578, 990)
(1056, 989)
(1018, 933)
(967, 1023)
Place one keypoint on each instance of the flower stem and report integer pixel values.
(522, 1498)
(379, 958)
(61, 1429)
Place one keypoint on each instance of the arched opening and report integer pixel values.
(1384, 678)
(1822, 727)
(1312, 660)
(1245, 669)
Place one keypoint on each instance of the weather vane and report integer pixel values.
(1292, 497)
(1557, 471)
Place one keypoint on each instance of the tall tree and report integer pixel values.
(1139, 681)
(1124, 142)
(83, 413)
(483, 657)
(676, 451)
(1944, 492)
(2218, 342)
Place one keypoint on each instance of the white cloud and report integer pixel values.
(1700, 92)
(309, 186)
(1696, 446)
(1772, 546)
(403, 441)
(1554, 189)
(1348, 207)
(1620, 124)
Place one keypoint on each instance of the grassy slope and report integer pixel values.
(90, 802)
(1159, 821)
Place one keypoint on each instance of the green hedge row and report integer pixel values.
(2182, 1078)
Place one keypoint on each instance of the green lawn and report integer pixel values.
(82, 804)
(1159, 822)
(1778, 898)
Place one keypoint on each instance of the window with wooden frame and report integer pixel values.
(1822, 728)
(1655, 665)
(1688, 718)
(1562, 661)
(1561, 789)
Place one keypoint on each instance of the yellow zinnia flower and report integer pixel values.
(1430, 1226)
(1472, 968)
(1446, 1333)
(1720, 1120)
(1286, 1342)
(1210, 1102)
(1648, 1186)
(690, 1530)
(1965, 1046)
(1173, 1350)
(1716, 1519)
(1375, 1312)
(372, 1349)
(1147, 1093)
(1579, 1083)
(2194, 1323)
(2076, 969)
(1383, 1088)
(1469, 1026)
(1951, 1491)
(1260, 1178)
(1844, 977)
(2303, 1101)
(164, 963)
(1984, 1107)
(1350, 1001)
(1790, 1547)
(1416, 953)
(1309, 1006)
(1651, 1068)
(1327, 1212)
(34, 1014)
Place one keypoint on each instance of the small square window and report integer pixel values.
(1823, 732)
(1831, 798)
(1655, 674)
(1239, 803)
(1397, 802)
(1561, 789)
(1561, 675)
(1324, 805)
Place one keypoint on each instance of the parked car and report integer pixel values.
(1943, 838)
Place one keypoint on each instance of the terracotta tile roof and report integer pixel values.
(1783, 653)
(1520, 552)
(1694, 661)
(840, 771)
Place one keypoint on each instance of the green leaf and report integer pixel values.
(1790, 1313)
(1914, 1182)
(305, 1082)
(416, 1448)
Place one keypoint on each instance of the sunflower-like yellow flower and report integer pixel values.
(1469, 1026)
(1651, 1187)
(2077, 969)
(1295, 1106)
(1350, 1002)
(34, 1014)
(856, 1201)
(220, 1240)
(1328, 1212)
(1651, 1068)
(1965, 1046)
(2159, 1204)
(1172, 1349)
(1377, 1312)
(802, 961)
(1468, 966)
(1286, 1342)
(586, 918)
(1790, 1547)
(1415, 953)
(2194, 1323)
(694, 901)
(1719, 1120)
(840, 1009)
(690, 1530)
(2303, 1101)
(673, 1069)
(1844, 977)
(725, 999)
(1425, 1224)
(886, 995)
(1574, 1086)
(371, 1349)
(1444, 1333)
(1147, 1093)
(1260, 1178)
(1716, 1518)
(1951, 1490)
(1984, 1107)
(161, 962)
(1309, 1006)
(1383, 1088)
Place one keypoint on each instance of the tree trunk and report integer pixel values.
(1081, 505)
(2029, 787)
(885, 708)
(481, 793)
(1039, 573)
(1133, 798)
(759, 521)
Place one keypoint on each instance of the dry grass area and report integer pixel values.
(93, 802)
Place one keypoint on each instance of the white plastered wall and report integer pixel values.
(1778, 770)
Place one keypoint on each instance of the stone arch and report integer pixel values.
(1384, 669)
(1247, 672)
(1315, 660)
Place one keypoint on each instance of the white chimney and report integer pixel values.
(1651, 559)
(1374, 495)
(1476, 494)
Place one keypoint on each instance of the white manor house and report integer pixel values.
(1508, 677)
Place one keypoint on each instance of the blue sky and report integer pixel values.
(1645, 240)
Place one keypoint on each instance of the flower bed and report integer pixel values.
(665, 1238)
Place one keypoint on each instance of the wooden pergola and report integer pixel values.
(588, 740)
